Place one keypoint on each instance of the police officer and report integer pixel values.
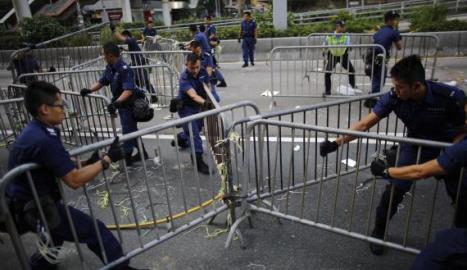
(200, 37)
(137, 59)
(40, 143)
(338, 55)
(449, 250)
(385, 36)
(249, 34)
(211, 34)
(149, 30)
(429, 110)
(207, 63)
(194, 99)
(24, 63)
(120, 78)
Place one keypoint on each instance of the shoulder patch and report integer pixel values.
(51, 132)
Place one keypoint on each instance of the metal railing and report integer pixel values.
(426, 46)
(298, 186)
(312, 71)
(157, 203)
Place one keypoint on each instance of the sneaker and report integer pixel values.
(377, 249)
(222, 84)
(245, 65)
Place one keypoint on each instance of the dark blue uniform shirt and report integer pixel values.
(187, 82)
(454, 157)
(248, 29)
(201, 38)
(119, 76)
(38, 143)
(206, 60)
(149, 32)
(385, 36)
(136, 59)
(210, 30)
(437, 117)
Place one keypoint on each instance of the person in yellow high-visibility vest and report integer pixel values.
(338, 55)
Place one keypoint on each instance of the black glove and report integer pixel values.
(85, 91)
(112, 27)
(112, 107)
(94, 158)
(239, 40)
(379, 168)
(207, 105)
(327, 147)
(115, 152)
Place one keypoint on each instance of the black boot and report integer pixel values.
(201, 166)
(222, 84)
(128, 159)
(378, 232)
(181, 143)
(245, 65)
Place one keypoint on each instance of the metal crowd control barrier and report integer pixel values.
(294, 186)
(174, 58)
(145, 207)
(58, 52)
(86, 119)
(424, 45)
(158, 43)
(299, 71)
(160, 77)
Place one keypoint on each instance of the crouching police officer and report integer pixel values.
(193, 99)
(40, 143)
(121, 79)
(449, 250)
(207, 63)
(429, 110)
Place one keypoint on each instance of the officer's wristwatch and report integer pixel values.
(105, 164)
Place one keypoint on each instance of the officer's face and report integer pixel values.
(246, 17)
(340, 29)
(196, 50)
(54, 113)
(403, 90)
(193, 68)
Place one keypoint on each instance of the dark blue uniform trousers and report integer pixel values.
(197, 127)
(448, 251)
(86, 234)
(129, 125)
(376, 79)
(248, 49)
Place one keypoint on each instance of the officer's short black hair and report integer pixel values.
(39, 93)
(247, 12)
(392, 14)
(202, 28)
(111, 48)
(341, 23)
(208, 17)
(193, 28)
(127, 33)
(195, 44)
(409, 70)
(192, 58)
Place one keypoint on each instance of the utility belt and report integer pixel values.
(27, 217)
(177, 104)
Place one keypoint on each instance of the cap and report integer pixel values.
(392, 14)
(340, 23)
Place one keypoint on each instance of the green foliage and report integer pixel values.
(10, 40)
(434, 18)
(127, 25)
(41, 28)
(84, 39)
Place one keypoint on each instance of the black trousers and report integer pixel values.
(331, 64)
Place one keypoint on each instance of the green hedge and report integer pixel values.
(434, 18)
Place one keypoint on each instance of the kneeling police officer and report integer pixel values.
(40, 143)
